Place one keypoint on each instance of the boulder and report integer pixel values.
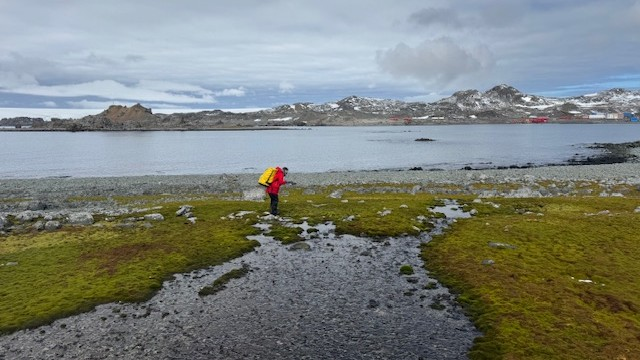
(81, 218)
(3, 221)
(52, 225)
(39, 225)
(300, 246)
(184, 209)
(26, 216)
(255, 194)
(154, 217)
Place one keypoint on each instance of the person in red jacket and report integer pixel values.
(274, 188)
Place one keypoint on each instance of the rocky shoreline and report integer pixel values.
(55, 199)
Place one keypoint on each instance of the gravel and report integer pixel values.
(55, 189)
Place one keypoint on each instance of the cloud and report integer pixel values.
(488, 14)
(10, 80)
(239, 92)
(51, 104)
(149, 91)
(281, 51)
(436, 16)
(434, 62)
(286, 87)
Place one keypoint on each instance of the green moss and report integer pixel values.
(406, 270)
(74, 269)
(285, 234)
(530, 303)
(221, 282)
(431, 285)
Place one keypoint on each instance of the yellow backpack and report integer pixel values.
(267, 176)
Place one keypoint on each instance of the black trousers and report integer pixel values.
(274, 204)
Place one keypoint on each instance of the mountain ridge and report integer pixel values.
(500, 104)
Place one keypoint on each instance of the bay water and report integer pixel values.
(32, 154)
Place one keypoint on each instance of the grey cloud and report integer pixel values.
(434, 62)
(134, 58)
(436, 16)
(488, 14)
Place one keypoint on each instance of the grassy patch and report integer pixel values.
(566, 288)
(406, 270)
(221, 282)
(73, 269)
(285, 234)
(562, 281)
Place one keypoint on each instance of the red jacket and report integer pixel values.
(278, 181)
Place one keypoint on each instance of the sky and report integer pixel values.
(207, 54)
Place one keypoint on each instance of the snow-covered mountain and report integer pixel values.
(500, 104)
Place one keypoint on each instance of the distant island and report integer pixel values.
(500, 105)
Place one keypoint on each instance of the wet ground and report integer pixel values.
(329, 297)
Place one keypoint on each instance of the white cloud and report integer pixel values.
(239, 92)
(286, 87)
(51, 104)
(109, 89)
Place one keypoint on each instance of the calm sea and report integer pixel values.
(90, 154)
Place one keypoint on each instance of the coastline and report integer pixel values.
(52, 193)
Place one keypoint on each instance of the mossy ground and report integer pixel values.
(530, 303)
(74, 269)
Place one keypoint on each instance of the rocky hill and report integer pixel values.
(500, 104)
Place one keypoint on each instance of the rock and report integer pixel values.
(384, 212)
(38, 226)
(337, 194)
(26, 216)
(488, 262)
(637, 210)
(300, 246)
(192, 219)
(3, 221)
(82, 218)
(52, 225)
(373, 304)
(154, 217)
(498, 245)
(255, 194)
(183, 210)
(524, 192)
